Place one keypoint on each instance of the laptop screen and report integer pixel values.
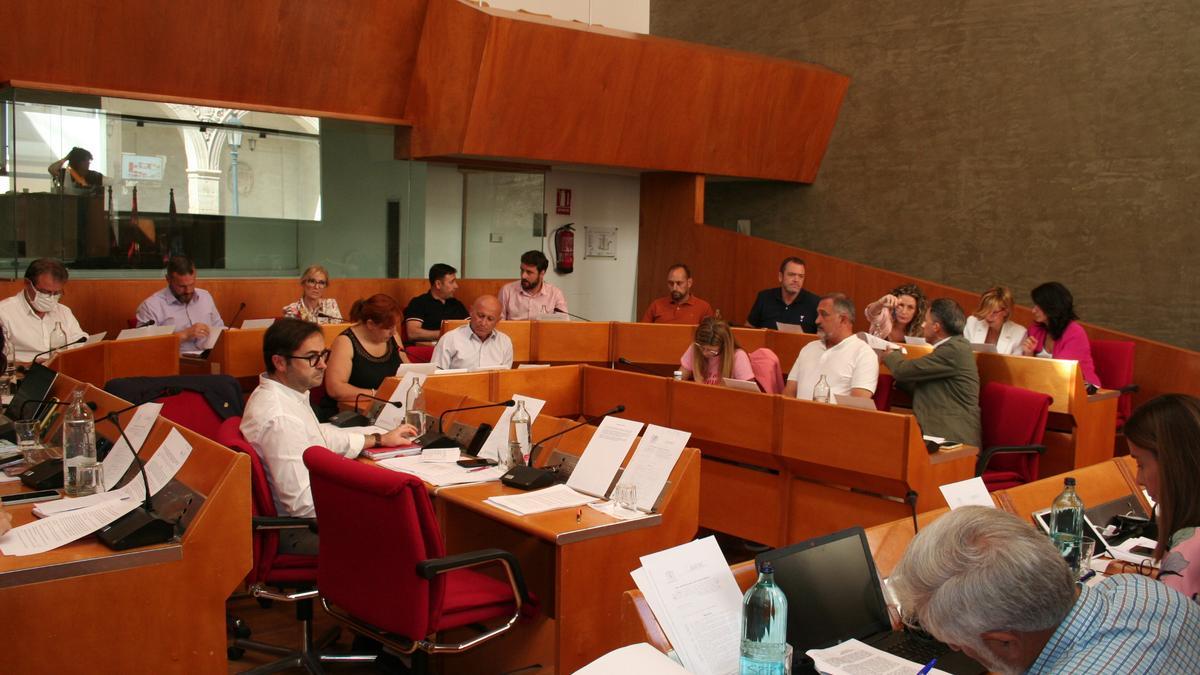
(832, 590)
(34, 387)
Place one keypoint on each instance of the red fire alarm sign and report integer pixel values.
(562, 204)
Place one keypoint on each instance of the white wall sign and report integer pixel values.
(142, 167)
(601, 242)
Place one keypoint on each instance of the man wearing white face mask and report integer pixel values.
(29, 317)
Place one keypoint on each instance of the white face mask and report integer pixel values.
(44, 302)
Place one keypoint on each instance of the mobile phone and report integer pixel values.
(473, 462)
(31, 497)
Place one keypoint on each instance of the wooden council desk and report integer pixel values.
(157, 609)
(577, 570)
(238, 352)
(97, 363)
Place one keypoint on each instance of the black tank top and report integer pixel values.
(366, 371)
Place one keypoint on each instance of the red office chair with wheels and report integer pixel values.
(1114, 366)
(273, 573)
(1013, 422)
(384, 572)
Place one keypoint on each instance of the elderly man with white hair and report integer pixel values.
(989, 584)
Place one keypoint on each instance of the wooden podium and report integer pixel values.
(102, 361)
(157, 609)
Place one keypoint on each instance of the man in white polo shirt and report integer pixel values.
(848, 364)
(477, 344)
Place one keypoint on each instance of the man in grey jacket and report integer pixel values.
(945, 382)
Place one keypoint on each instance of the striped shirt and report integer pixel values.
(1127, 623)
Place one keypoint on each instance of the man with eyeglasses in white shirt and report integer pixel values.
(29, 317)
(280, 423)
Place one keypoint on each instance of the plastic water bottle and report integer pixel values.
(80, 470)
(1066, 524)
(764, 626)
(58, 337)
(518, 436)
(821, 391)
(10, 361)
(414, 406)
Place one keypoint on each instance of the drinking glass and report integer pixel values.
(90, 479)
(625, 499)
(28, 441)
(1087, 549)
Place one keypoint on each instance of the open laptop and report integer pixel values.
(34, 387)
(834, 595)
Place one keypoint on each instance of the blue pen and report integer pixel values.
(928, 667)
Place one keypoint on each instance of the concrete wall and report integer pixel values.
(992, 142)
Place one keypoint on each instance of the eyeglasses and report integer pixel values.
(319, 283)
(708, 350)
(313, 359)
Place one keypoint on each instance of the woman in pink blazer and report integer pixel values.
(1056, 332)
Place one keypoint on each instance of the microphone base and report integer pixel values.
(349, 418)
(47, 475)
(528, 478)
(136, 528)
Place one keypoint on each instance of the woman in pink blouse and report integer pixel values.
(1164, 440)
(1056, 332)
(713, 345)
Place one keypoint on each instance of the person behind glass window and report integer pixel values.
(188, 309)
(897, 314)
(1056, 332)
(30, 317)
(364, 354)
(73, 174)
(717, 354)
(992, 323)
(312, 305)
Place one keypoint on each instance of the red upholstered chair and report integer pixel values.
(767, 371)
(275, 576)
(384, 572)
(1114, 366)
(883, 392)
(416, 353)
(1013, 423)
(190, 409)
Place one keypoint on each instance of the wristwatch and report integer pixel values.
(377, 439)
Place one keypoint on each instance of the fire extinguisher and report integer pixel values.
(564, 249)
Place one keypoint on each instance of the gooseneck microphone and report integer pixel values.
(527, 477)
(141, 526)
(233, 321)
(626, 362)
(54, 349)
(573, 316)
(438, 439)
(331, 317)
(353, 418)
(147, 323)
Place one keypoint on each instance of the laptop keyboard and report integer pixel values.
(917, 650)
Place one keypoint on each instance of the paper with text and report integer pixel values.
(879, 344)
(442, 474)
(641, 659)
(47, 509)
(540, 501)
(441, 455)
(248, 324)
(856, 658)
(162, 467)
(700, 602)
(969, 492)
(116, 463)
(92, 339)
(603, 455)
(652, 463)
(145, 331)
(50, 533)
(497, 441)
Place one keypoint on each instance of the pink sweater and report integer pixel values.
(1073, 345)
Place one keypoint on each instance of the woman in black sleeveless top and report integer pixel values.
(363, 354)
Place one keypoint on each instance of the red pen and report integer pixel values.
(479, 469)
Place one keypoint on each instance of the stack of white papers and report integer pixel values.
(145, 331)
(879, 344)
(652, 463)
(441, 473)
(696, 600)
(640, 658)
(856, 658)
(540, 501)
(969, 492)
(118, 459)
(603, 456)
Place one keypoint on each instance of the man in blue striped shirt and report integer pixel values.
(987, 583)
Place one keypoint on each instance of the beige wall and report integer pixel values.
(992, 142)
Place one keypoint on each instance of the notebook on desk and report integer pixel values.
(834, 595)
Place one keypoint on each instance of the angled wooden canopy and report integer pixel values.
(461, 80)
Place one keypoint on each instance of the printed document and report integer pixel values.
(652, 463)
(248, 324)
(47, 509)
(145, 331)
(603, 456)
(117, 462)
(879, 344)
(392, 416)
(640, 658)
(539, 501)
(969, 492)
(162, 467)
(440, 473)
(497, 441)
(92, 339)
(50, 533)
(856, 658)
(695, 598)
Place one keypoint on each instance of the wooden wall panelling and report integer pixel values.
(571, 341)
(651, 343)
(558, 386)
(513, 85)
(292, 56)
(645, 397)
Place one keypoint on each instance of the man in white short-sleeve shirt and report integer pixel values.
(848, 364)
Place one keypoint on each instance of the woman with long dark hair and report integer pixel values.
(1164, 440)
(1056, 332)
